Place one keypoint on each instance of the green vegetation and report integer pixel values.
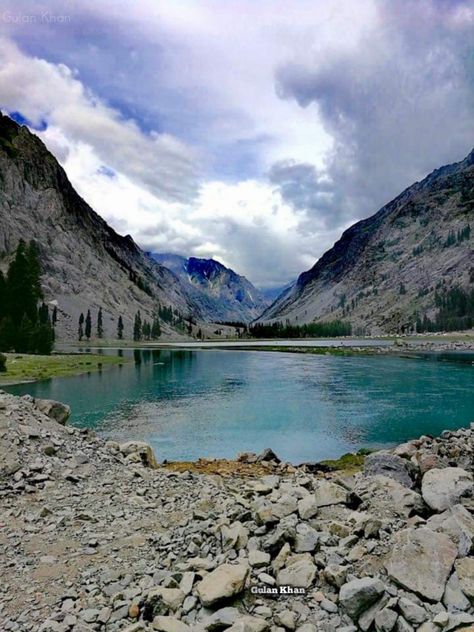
(330, 329)
(464, 234)
(3, 363)
(27, 367)
(24, 327)
(100, 325)
(347, 462)
(120, 328)
(455, 312)
(143, 330)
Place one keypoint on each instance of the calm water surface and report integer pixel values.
(189, 404)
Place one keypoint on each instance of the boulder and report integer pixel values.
(465, 572)
(234, 537)
(458, 524)
(55, 410)
(161, 600)
(299, 571)
(391, 465)
(258, 559)
(248, 623)
(139, 451)
(412, 611)
(386, 497)
(225, 581)
(169, 624)
(454, 599)
(359, 594)
(307, 507)
(421, 561)
(268, 455)
(328, 493)
(442, 488)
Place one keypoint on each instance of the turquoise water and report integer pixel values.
(189, 404)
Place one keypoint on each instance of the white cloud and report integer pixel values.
(246, 226)
(50, 92)
(279, 122)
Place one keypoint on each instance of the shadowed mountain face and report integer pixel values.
(386, 270)
(86, 264)
(220, 293)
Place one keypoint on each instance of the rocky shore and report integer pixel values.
(97, 536)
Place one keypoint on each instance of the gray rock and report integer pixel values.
(307, 507)
(55, 410)
(412, 611)
(257, 559)
(169, 624)
(306, 539)
(454, 598)
(359, 594)
(391, 465)
(141, 451)
(458, 524)
(434, 554)
(387, 498)
(225, 581)
(299, 571)
(442, 488)
(403, 625)
(328, 493)
(386, 620)
(465, 573)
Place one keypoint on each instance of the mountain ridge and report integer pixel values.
(221, 293)
(401, 245)
(86, 263)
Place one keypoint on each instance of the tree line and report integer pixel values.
(26, 325)
(455, 312)
(330, 329)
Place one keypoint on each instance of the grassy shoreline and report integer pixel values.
(22, 367)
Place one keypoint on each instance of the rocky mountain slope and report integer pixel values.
(86, 264)
(220, 293)
(387, 269)
(98, 536)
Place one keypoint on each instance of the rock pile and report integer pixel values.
(96, 536)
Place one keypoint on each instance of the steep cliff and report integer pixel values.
(85, 263)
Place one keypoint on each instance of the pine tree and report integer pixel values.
(156, 328)
(21, 286)
(100, 326)
(120, 328)
(137, 327)
(3, 296)
(23, 327)
(54, 317)
(88, 329)
(80, 330)
(43, 314)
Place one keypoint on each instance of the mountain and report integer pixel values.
(394, 267)
(220, 293)
(272, 293)
(86, 264)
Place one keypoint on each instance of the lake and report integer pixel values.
(193, 403)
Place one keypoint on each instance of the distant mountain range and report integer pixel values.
(220, 293)
(392, 269)
(385, 273)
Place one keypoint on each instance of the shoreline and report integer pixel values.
(98, 536)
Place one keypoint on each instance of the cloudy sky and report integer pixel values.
(250, 131)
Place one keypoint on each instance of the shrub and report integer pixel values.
(3, 363)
